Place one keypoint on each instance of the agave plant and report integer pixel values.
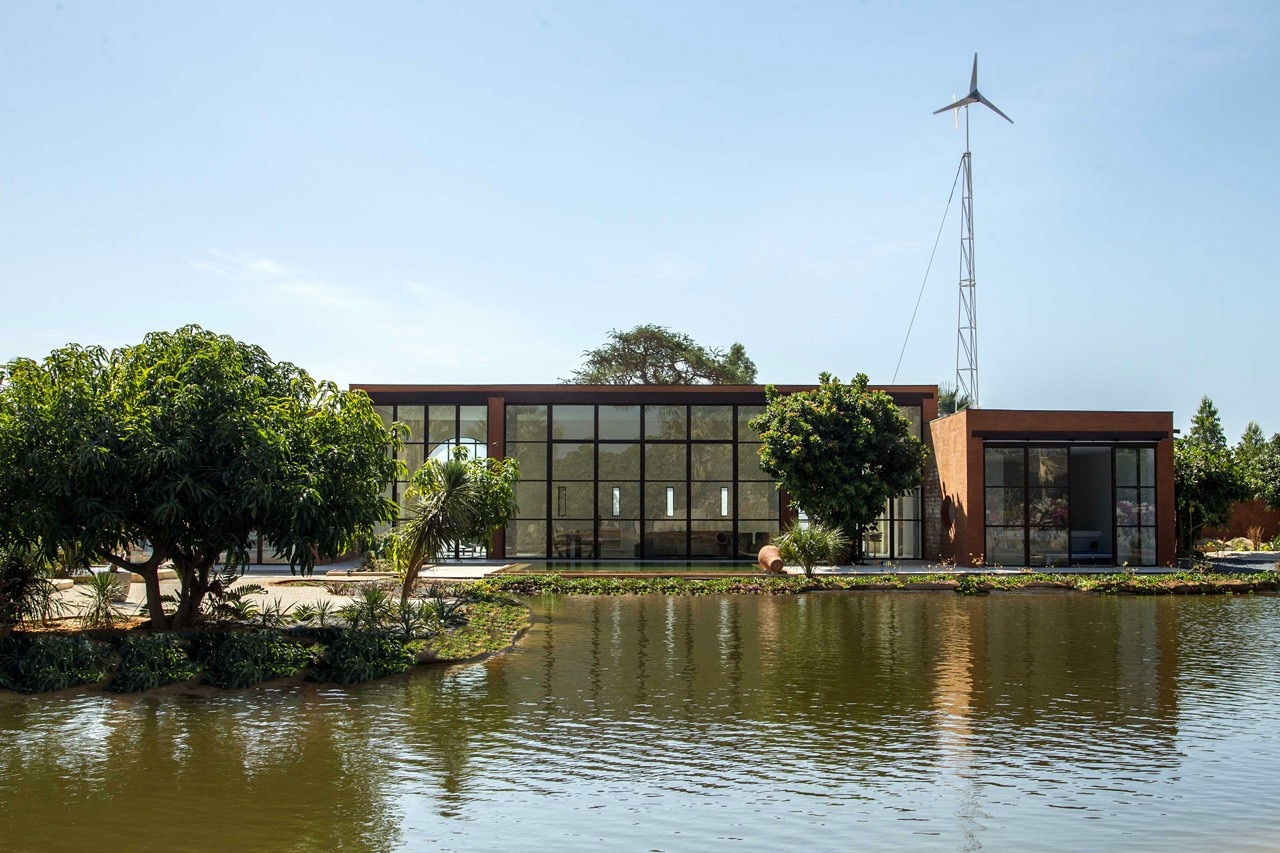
(812, 545)
(100, 608)
(371, 610)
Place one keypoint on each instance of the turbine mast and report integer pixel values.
(967, 318)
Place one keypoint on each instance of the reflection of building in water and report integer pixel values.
(1028, 667)
(954, 675)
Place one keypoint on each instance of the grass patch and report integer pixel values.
(489, 628)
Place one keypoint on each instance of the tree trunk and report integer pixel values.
(150, 572)
(195, 584)
(410, 578)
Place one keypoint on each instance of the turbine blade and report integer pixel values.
(973, 81)
(983, 100)
(958, 104)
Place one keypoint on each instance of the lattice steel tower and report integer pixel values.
(967, 319)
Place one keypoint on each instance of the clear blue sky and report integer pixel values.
(477, 192)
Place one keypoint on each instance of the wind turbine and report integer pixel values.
(967, 321)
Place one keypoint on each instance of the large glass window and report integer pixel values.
(619, 423)
(617, 481)
(414, 418)
(665, 462)
(526, 423)
(573, 423)
(666, 422)
(1136, 506)
(746, 432)
(1077, 505)
(1091, 502)
(708, 423)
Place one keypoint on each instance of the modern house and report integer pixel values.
(626, 472)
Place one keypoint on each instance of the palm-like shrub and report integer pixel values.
(812, 545)
(443, 505)
(26, 593)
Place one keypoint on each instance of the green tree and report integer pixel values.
(1207, 480)
(840, 451)
(1259, 460)
(456, 501)
(654, 355)
(812, 545)
(190, 441)
(951, 399)
(1266, 470)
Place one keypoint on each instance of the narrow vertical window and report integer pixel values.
(671, 501)
(724, 501)
(617, 501)
(562, 498)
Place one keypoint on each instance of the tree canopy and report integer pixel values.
(192, 442)
(1207, 479)
(840, 451)
(654, 355)
(1259, 462)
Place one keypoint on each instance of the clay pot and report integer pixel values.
(770, 559)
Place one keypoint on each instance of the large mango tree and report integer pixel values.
(192, 442)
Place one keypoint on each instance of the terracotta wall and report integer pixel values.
(951, 440)
(1246, 514)
(958, 444)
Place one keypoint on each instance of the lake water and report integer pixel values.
(825, 721)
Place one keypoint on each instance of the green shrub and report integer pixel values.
(812, 545)
(371, 610)
(357, 656)
(98, 605)
(241, 659)
(26, 593)
(40, 664)
(150, 662)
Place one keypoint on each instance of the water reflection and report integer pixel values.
(831, 720)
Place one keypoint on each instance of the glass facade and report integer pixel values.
(1070, 505)
(639, 481)
(630, 481)
(897, 532)
(434, 433)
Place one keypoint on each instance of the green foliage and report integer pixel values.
(355, 656)
(812, 545)
(490, 627)
(1205, 475)
(371, 610)
(1166, 583)
(38, 664)
(226, 600)
(951, 400)
(445, 612)
(99, 608)
(455, 501)
(1250, 454)
(238, 659)
(151, 661)
(654, 355)
(190, 441)
(26, 593)
(841, 451)
(1260, 465)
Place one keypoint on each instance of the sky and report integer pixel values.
(421, 192)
